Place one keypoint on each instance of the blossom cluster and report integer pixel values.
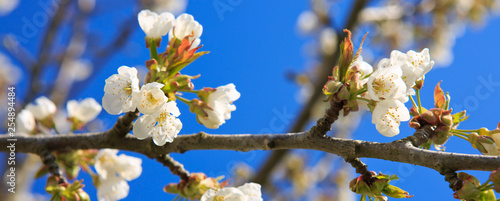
(42, 116)
(156, 99)
(390, 85)
(383, 91)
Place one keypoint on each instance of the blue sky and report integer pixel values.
(253, 45)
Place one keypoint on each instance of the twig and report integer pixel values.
(44, 51)
(174, 166)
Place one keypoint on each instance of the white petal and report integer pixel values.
(25, 122)
(129, 167)
(43, 108)
(150, 98)
(112, 188)
(143, 126)
(208, 195)
(252, 191)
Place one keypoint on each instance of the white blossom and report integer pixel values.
(44, 108)
(364, 67)
(9, 73)
(413, 65)
(85, 110)
(162, 124)
(119, 91)
(25, 122)
(328, 40)
(307, 22)
(113, 188)
(62, 124)
(7, 6)
(150, 98)
(185, 25)
(173, 6)
(221, 105)
(247, 192)
(387, 116)
(154, 25)
(386, 84)
(114, 172)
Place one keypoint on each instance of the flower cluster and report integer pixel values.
(113, 173)
(42, 116)
(383, 90)
(156, 99)
(390, 85)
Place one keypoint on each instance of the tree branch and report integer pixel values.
(398, 151)
(174, 166)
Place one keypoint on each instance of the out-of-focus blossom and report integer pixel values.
(43, 109)
(7, 6)
(85, 110)
(328, 40)
(307, 22)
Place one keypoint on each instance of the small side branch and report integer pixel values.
(174, 166)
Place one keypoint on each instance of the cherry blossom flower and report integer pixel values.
(43, 109)
(119, 91)
(247, 192)
(308, 22)
(387, 116)
(185, 25)
(386, 84)
(221, 105)
(85, 110)
(154, 25)
(114, 172)
(25, 122)
(150, 98)
(413, 65)
(162, 124)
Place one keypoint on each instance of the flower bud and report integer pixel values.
(469, 188)
(430, 117)
(419, 84)
(395, 192)
(414, 111)
(343, 94)
(487, 195)
(495, 178)
(331, 86)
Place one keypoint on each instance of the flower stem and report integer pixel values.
(153, 51)
(413, 102)
(469, 131)
(460, 136)
(189, 91)
(419, 103)
(183, 100)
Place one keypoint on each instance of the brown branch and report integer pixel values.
(174, 166)
(329, 61)
(399, 151)
(44, 51)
